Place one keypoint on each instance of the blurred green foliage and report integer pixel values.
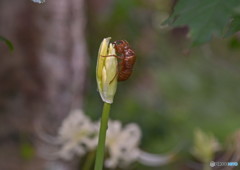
(174, 88)
(26, 148)
(207, 18)
(7, 42)
(234, 26)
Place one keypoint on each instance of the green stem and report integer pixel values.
(102, 137)
(89, 160)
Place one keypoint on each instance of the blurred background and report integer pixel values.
(175, 87)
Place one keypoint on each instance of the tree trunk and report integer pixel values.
(42, 79)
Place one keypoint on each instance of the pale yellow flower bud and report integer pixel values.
(205, 145)
(106, 71)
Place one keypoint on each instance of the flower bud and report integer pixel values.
(205, 145)
(106, 71)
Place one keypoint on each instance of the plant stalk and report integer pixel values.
(89, 160)
(102, 137)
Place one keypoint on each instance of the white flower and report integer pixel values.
(122, 144)
(77, 134)
(38, 1)
(123, 147)
(150, 159)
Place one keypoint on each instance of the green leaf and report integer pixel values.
(7, 42)
(26, 147)
(27, 151)
(205, 18)
(234, 43)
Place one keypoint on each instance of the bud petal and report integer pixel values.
(106, 71)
